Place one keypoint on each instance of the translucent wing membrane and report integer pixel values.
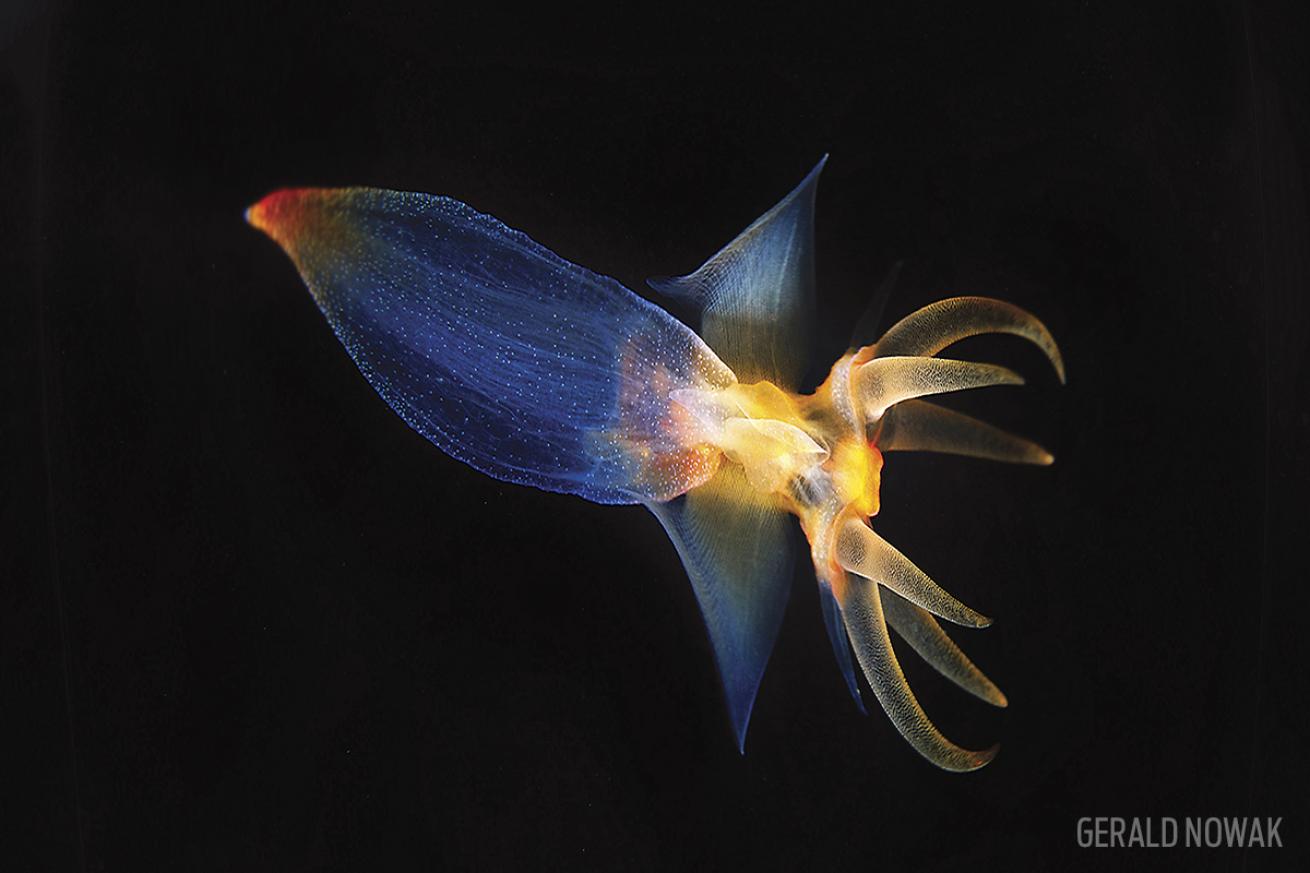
(841, 644)
(524, 366)
(738, 552)
(756, 297)
(865, 331)
(757, 293)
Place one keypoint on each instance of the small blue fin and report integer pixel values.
(841, 646)
(757, 293)
(738, 552)
(866, 330)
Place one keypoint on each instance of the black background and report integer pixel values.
(252, 622)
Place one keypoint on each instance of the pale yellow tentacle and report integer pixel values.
(863, 616)
(918, 628)
(928, 330)
(884, 382)
(918, 426)
(863, 552)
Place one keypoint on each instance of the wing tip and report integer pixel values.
(741, 719)
(809, 183)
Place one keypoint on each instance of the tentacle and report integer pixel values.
(934, 327)
(863, 552)
(918, 628)
(884, 382)
(863, 615)
(918, 426)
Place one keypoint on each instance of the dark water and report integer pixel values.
(252, 622)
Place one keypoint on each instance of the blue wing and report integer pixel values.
(757, 292)
(739, 553)
(527, 367)
(841, 644)
(756, 295)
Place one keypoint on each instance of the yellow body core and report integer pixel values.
(857, 475)
(793, 449)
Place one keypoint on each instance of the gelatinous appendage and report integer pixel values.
(819, 457)
(537, 371)
(875, 584)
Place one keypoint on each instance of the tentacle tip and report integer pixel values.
(981, 621)
(998, 699)
(985, 757)
(967, 760)
(1045, 458)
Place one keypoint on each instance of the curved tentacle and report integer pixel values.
(884, 382)
(934, 327)
(918, 426)
(863, 614)
(861, 551)
(918, 628)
